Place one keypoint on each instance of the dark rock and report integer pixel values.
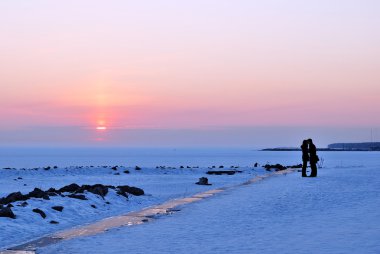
(122, 193)
(38, 193)
(277, 167)
(57, 208)
(52, 190)
(47, 168)
(203, 181)
(70, 188)
(181, 167)
(93, 206)
(108, 203)
(117, 174)
(222, 172)
(83, 188)
(136, 191)
(54, 222)
(114, 168)
(10, 205)
(131, 190)
(221, 166)
(256, 164)
(7, 212)
(13, 197)
(76, 196)
(20, 178)
(97, 189)
(126, 171)
(295, 166)
(137, 168)
(24, 204)
(40, 212)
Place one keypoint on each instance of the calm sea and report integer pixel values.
(151, 157)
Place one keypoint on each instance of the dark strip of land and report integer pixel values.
(319, 149)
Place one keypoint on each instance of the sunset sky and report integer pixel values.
(187, 73)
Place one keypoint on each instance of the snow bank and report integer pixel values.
(159, 184)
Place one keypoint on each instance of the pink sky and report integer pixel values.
(189, 65)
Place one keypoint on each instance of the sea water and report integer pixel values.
(30, 157)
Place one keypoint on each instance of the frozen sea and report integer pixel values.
(151, 157)
(281, 214)
(146, 157)
(338, 212)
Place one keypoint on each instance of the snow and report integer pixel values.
(257, 216)
(159, 185)
(338, 212)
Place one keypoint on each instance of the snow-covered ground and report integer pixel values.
(159, 184)
(338, 212)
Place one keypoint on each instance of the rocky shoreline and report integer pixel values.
(71, 191)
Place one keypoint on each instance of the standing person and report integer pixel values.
(305, 156)
(313, 158)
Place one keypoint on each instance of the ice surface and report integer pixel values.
(338, 212)
(151, 157)
(147, 157)
(160, 185)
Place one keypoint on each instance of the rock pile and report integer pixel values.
(223, 172)
(203, 181)
(7, 212)
(279, 167)
(72, 191)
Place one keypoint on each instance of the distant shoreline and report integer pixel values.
(337, 147)
(319, 149)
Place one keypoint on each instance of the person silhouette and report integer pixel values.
(305, 156)
(313, 158)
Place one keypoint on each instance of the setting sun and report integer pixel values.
(101, 128)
